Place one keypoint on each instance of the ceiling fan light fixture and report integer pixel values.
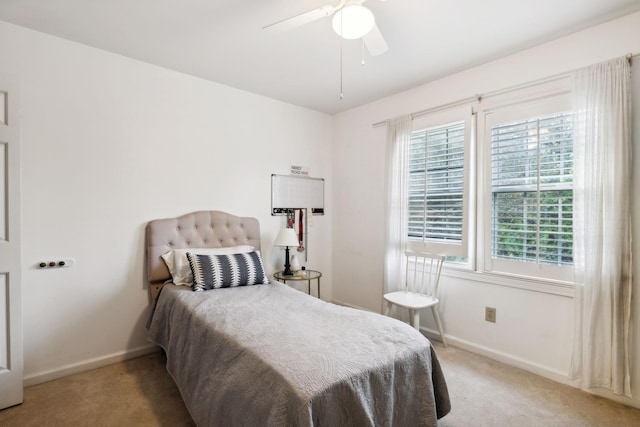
(353, 21)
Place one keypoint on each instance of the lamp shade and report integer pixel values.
(353, 22)
(286, 237)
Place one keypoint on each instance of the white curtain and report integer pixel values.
(602, 226)
(396, 206)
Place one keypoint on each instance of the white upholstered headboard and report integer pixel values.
(203, 229)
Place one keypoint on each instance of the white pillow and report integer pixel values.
(178, 264)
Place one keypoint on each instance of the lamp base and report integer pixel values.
(287, 267)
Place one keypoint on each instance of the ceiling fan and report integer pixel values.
(351, 20)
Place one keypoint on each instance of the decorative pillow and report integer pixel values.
(225, 271)
(178, 264)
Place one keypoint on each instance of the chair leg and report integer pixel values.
(387, 308)
(436, 317)
(415, 318)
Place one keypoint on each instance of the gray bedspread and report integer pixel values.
(269, 355)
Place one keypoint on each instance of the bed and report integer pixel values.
(270, 355)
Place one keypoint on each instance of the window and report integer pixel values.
(436, 183)
(438, 179)
(528, 202)
(531, 190)
(505, 209)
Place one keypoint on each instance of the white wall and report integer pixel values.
(533, 330)
(109, 143)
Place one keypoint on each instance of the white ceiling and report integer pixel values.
(223, 40)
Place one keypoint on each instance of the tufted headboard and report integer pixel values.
(203, 229)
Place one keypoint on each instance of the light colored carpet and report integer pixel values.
(139, 392)
(487, 393)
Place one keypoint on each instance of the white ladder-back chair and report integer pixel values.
(420, 288)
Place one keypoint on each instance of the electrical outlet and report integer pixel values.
(490, 314)
(58, 263)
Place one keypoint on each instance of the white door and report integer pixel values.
(11, 363)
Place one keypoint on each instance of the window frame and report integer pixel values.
(521, 110)
(476, 268)
(441, 119)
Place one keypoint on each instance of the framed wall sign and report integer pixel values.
(291, 192)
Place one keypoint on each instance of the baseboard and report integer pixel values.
(526, 365)
(345, 304)
(508, 359)
(87, 365)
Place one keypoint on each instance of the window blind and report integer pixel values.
(532, 191)
(436, 183)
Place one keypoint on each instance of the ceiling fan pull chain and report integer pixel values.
(362, 51)
(341, 57)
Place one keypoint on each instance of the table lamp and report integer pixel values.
(287, 237)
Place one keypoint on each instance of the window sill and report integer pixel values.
(547, 286)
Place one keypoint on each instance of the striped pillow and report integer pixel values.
(226, 271)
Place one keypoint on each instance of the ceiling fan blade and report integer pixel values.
(375, 42)
(301, 19)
